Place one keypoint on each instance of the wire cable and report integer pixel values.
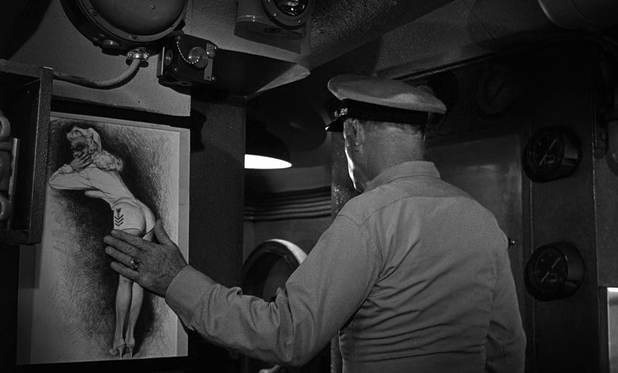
(136, 56)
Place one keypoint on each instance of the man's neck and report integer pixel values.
(390, 156)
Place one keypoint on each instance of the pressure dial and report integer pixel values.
(554, 271)
(551, 153)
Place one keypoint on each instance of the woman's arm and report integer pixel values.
(69, 176)
(66, 178)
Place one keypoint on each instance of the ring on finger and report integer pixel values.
(134, 264)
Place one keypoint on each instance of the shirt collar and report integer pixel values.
(407, 169)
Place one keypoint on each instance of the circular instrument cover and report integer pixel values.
(126, 24)
(554, 271)
(551, 153)
(138, 17)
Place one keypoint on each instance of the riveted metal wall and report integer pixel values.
(565, 335)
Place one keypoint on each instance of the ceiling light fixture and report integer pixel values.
(263, 150)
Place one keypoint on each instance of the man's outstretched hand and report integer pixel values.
(152, 265)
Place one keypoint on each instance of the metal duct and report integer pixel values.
(340, 26)
(586, 14)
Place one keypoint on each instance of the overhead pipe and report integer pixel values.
(338, 27)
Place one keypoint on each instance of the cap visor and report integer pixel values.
(335, 126)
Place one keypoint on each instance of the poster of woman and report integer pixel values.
(104, 174)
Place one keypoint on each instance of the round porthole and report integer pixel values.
(266, 269)
(269, 266)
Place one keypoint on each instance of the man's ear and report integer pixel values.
(354, 132)
(359, 131)
(349, 131)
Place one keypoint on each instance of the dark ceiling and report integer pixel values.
(406, 40)
(339, 26)
(393, 38)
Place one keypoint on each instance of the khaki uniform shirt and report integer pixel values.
(413, 275)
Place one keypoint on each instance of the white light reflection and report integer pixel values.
(264, 163)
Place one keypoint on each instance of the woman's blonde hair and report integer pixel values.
(101, 158)
(107, 161)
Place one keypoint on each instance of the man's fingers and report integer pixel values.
(119, 256)
(120, 245)
(161, 235)
(125, 271)
(132, 240)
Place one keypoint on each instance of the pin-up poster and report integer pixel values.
(103, 174)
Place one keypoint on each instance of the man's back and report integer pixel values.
(444, 297)
(414, 275)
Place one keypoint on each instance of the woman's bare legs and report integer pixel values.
(129, 297)
(136, 306)
(123, 302)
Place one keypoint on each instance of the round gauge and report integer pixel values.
(498, 86)
(554, 271)
(290, 13)
(551, 153)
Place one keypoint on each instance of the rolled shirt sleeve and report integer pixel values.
(319, 297)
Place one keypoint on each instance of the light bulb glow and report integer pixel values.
(264, 163)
